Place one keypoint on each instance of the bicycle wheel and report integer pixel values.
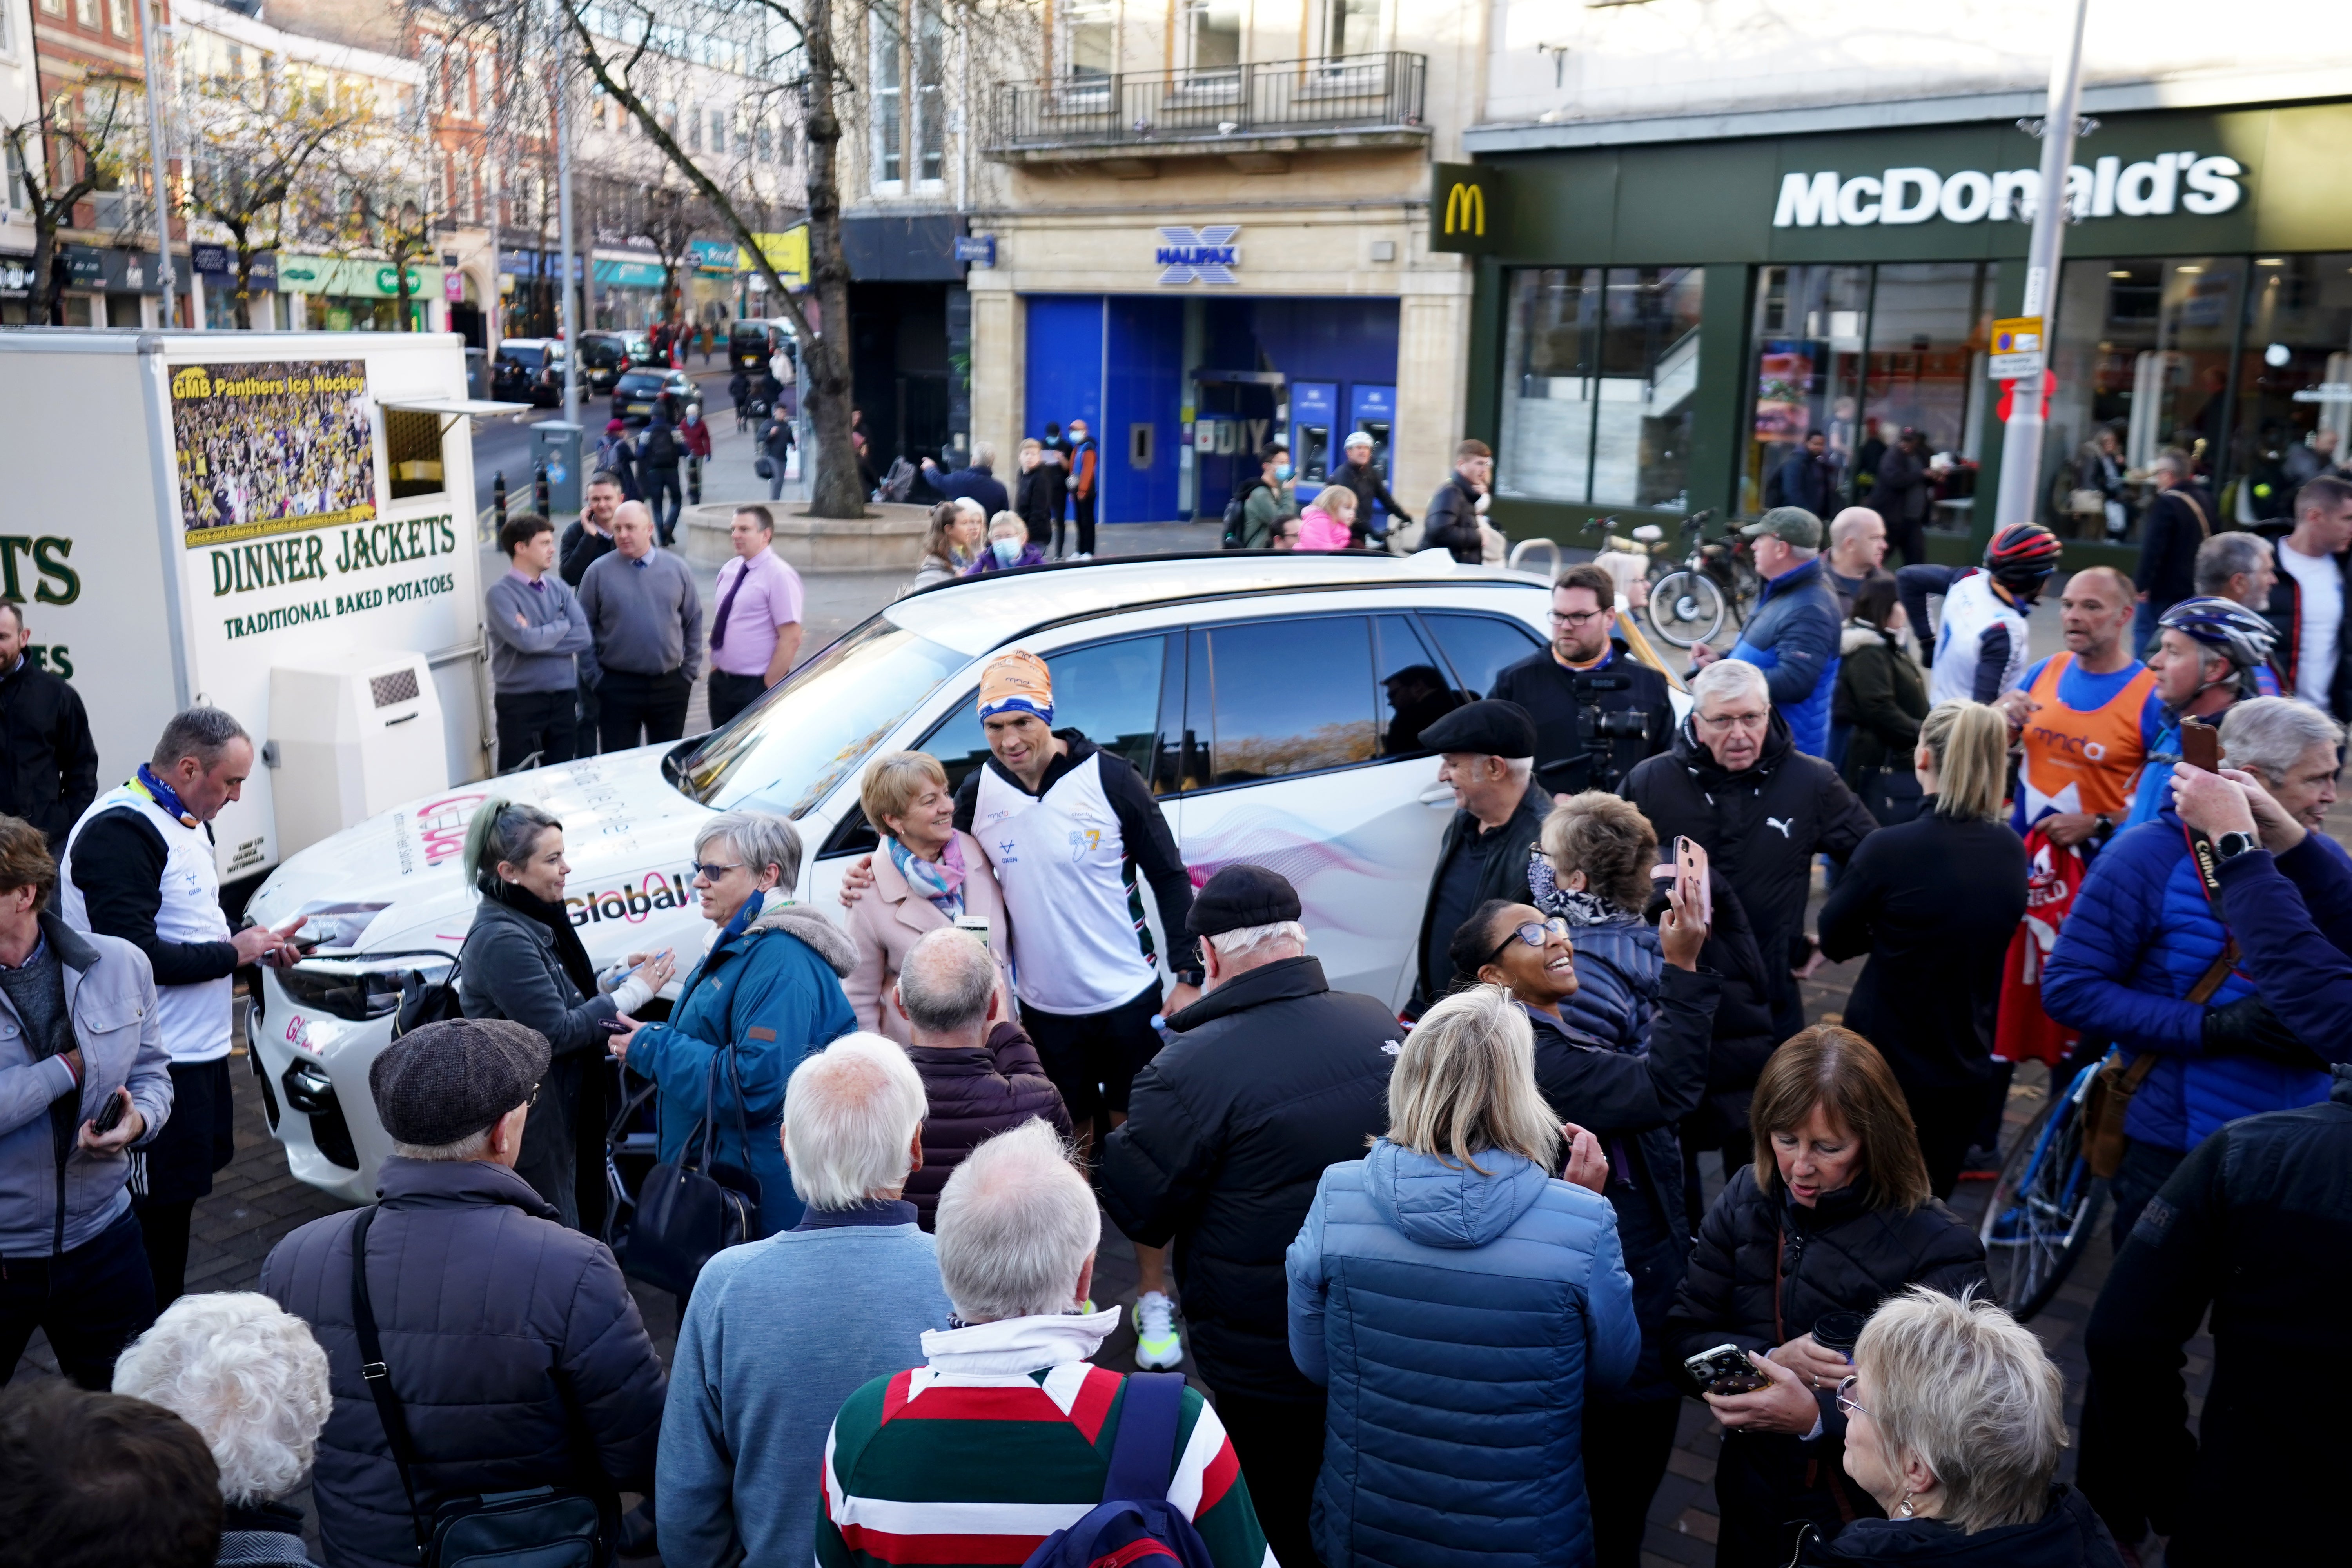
(1685, 608)
(2043, 1208)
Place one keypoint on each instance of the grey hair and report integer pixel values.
(970, 507)
(2227, 554)
(946, 982)
(762, 838)
(851, 1111)
(504, 830)
(2268, 735)
(983, 454)
(203, 733)
(1466, 1083)
(1728, 677)
(1248, 945)
(2173, 463)
(1967, 1390)
(1016, 1224)
(473, 1146)
(249, 1377)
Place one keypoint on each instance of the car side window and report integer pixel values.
(1479, 648)
(1414, 690)
(1286, 697)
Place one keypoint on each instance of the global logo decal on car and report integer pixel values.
(633, 904)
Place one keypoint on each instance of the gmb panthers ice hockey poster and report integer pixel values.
(273, 446)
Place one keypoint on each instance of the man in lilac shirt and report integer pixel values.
(755, 633)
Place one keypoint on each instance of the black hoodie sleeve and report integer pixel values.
(1152, 847)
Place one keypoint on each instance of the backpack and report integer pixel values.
(1135, 1521)
(1236, 519)
(660, 449)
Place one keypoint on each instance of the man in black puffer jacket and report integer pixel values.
(1736, 783)
(2252, 1225)
(1273, 1077)
(484, 1303)
(980, 1073)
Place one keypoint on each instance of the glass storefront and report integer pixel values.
(1601, 368)
(1862, 353)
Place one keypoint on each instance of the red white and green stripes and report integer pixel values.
(942, 1468)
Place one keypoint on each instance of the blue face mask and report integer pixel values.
(1008, 551)
(1282, 471)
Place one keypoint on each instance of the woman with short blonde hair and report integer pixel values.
(1433, 1278)
(1935, 903)
(925, 875)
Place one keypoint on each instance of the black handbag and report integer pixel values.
(1893, 795)
(690, 1210)
(536, 1527)
(424, 1001)
(764, 466)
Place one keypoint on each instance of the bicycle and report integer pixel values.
(2044, 1206)
(1689, 600)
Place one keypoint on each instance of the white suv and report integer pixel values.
(1274, 703)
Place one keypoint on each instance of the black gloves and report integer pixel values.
(2247, 1027)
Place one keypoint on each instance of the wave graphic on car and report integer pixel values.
(1299, 852)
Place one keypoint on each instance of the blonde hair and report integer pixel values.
(1466, 1083)
(1031, 443)
(1842, 1075)
(1326, 499)
(1969, 742)
(1007, 525)
(894, 782)
(1964, 1388)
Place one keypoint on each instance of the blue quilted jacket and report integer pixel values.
(1457, 1320)
(1617, 965)
(1793, 638)
(2138, 937)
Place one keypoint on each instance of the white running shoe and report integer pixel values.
(1158, 1344)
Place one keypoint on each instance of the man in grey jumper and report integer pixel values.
(539, 647)
(780, 1331)
(647, 614)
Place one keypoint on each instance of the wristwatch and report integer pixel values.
(2230, 846)
(2103, 828)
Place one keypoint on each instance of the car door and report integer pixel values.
(1294, 757)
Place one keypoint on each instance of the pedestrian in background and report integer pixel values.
(1033, 493)
(512, 1345)
(780, 1332)
(1364, 478)
(588, 538)
(2179, 519)
(1832, 1217)
(140, 866)
(738, 394)
(1904, 495)
(981, 1074)
(1934, 902)
(1266, 502)
(659, 451)
(977, 480)
(1808, 478)
(252, 1381)
(1793, 632)
(1451, 519)
(776, 445)
(1857, 552)
(1327, 522)
(541, 648)
(1085, 480)
(1054, 457)
(1461, 1305)
(617, 455)
(522, 960)
(755, 633)
(1881, 698)
(48, 763)
(83, 1037)
(1008, 546)
(647, 614)
(2314, 591)
(952, 544)
(1271, 1078)
(98, 1481)
(927, 875)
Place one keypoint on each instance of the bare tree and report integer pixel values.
(263, 151)
(76, 144)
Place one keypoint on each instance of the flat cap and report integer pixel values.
(1791, 526)
(447, 1081)
(1492, 727)
(1241, 896)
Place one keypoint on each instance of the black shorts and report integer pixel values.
(1093, 1058)
(199, 1138)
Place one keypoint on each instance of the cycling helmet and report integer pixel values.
(2022, 557)
(2226, 626)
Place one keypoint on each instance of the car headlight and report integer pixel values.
(355, 990)
(332, 924)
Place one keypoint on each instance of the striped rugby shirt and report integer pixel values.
(936, 1467)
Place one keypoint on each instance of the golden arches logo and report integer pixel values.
(1466, 210)
(192, 383)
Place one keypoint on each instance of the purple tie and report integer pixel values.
(727, 603)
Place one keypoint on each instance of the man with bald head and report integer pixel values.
(646, 615)
(1857, 553)
(2087, 717)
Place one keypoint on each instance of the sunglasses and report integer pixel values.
(1533, 933)
(711, 871)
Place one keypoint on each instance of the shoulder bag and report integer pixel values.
(538, 1527)
(693, 1208)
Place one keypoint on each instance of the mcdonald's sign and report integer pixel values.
(1466, 212)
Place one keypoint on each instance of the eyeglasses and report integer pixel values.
(1577, 617)
(711, 871)
(1845, 1400)
(1532, 932)
(1734, 720)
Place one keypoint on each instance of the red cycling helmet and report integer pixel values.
(2022, 555)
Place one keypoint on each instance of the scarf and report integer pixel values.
(555, 918)
(162, 794)
(941, 882)
(1576, 907)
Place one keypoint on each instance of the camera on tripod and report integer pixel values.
(1610, 740)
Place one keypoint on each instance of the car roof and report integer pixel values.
(975, 614)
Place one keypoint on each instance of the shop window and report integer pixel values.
(411, 444)
(1602, 367)
(2141, 354)
(1264, 727)
(1930, 323)
(2294, 382)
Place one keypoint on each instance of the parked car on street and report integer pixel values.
(528, 370)
(634, 393)
(603, 360)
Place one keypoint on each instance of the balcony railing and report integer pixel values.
(1343, 92)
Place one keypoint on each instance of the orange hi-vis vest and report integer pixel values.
(2077, 760)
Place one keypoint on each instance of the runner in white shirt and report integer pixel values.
(1981, 645)
(2307, 602)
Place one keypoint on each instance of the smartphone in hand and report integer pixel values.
(1691, 878)
(2200, 745)
(118, 1105)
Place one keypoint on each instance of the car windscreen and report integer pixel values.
(600, 352)
(528, 358)
(787, 751)
(643, 382)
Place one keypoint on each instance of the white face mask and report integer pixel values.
(1008, 551)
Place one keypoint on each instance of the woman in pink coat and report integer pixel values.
(926, 876)
(1325, 525)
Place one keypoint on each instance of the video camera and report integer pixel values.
(1611, 740)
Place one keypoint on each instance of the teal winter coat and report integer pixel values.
(772, 991)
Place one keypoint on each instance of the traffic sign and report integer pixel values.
(2016, 348)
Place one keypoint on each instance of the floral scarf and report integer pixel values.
(1578, 908)
(940, 882)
